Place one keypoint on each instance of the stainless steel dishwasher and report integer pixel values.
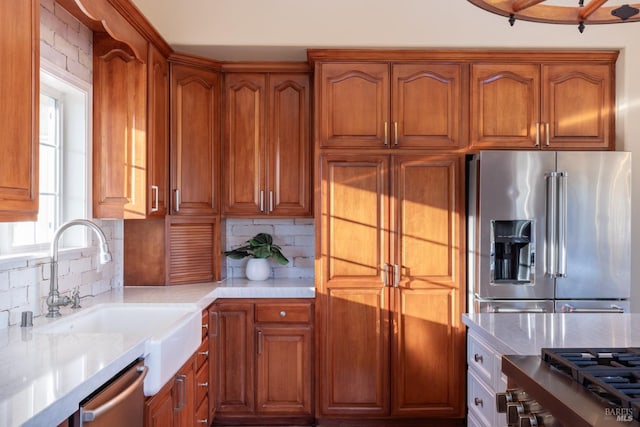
(118, 403)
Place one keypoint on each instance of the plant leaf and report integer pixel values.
(262, 251)
(237, 254)
(278, 256)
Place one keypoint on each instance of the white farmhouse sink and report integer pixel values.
(173, 331)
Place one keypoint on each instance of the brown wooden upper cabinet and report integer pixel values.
(266, 144)
(19, 86)
(394, 105)
(543, 106)
(391, 286)
(195, 145)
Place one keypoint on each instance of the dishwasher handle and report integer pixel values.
(92, 415)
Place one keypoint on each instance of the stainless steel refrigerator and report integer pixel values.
(549, 231)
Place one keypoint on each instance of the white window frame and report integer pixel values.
(78, 237)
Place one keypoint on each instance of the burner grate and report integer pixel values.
(572, 361)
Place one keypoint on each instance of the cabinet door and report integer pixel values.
(428, 376)
(352, 105)
(159, 409)
(352, 300)
(232, 357)
(184, 395)
(193, 249)
(119, 131)
(288, 156)
(505, 106)
(427, 106)
(20, 35)
(158, 133)
(578, 103)
(244, 143)
(283, 370)
(195, 97)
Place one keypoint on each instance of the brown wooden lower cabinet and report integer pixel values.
(261, 357)
(184, 401)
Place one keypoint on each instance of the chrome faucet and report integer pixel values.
(54, 300)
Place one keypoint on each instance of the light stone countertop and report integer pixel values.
(527, 333)
(43, 377)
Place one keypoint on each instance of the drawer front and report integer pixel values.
(205, 323)
(202, 355)
(202, 413)
(481, 401)
(473, 421)
(481, 359)
(202, 384)
(283, 313)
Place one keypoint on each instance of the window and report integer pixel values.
(64, 112)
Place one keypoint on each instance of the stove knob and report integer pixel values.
(514, 411)
(513, 395)
(528, 421)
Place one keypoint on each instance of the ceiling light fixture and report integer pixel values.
(591, 12)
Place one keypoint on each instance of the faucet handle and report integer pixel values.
(75, 298)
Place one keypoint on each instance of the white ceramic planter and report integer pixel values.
(258, 269)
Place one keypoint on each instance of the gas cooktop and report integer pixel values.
(581, 386)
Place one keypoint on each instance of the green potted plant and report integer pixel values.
(259, 248)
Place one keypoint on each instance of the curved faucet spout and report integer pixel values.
(54, 301)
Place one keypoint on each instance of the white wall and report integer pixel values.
(282, 29)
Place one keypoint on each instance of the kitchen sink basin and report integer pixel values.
(173, 333)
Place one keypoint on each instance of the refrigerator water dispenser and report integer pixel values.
(512, 252)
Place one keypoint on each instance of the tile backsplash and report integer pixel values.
(295, 236)
(24, 280)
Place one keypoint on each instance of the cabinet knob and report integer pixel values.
(204, 353)
(283, 313)
(478, 358)
(205, 384)
(204, 421)
(478, 402)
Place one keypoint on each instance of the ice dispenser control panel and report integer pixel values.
(512, 252)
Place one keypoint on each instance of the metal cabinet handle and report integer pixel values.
(204, 353)
(204, 421)
(205, 384)
(92, 415)
(386, 134)
(396, 275)
(259, 342)
(537, 134)
(215, 323)
(261, 200)
(546, 133)
(477, 401)
(177, 195)
(270, 201)
(181, 382)
(155, 191)
(385, 274)
(395, 127)
(478, 358)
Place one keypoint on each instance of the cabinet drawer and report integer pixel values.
(202, 384)
(481, 359)
(205, 323)
(202, 413)
(202, 355)
(481, 402)
(283, 313)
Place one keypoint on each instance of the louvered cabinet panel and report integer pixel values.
(193, 246)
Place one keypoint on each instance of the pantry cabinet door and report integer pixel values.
(352, 299)
(428, 376)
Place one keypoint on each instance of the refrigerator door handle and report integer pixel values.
(562, 225)
(517, 310)
(568, 308)
(551, 241)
